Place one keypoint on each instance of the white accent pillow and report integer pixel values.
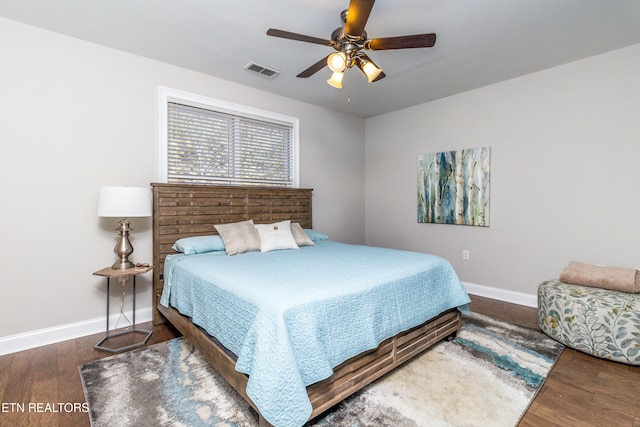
(239, 237)
(276, 236)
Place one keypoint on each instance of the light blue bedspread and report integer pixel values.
(291, 316)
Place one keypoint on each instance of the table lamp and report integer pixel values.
(124, 202)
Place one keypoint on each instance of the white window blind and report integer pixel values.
(214, 147)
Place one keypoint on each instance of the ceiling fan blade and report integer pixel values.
(314, 68)
(299, 37)
(380, 76)
(357, 16)
(402, 42)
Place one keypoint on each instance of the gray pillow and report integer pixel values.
(239, 237)
(302, 238)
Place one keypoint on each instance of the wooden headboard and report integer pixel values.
(181, 210)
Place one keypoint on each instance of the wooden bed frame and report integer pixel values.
(189, 210)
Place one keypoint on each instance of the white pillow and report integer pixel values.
(276, 236)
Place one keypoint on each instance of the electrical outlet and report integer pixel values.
(466, 255)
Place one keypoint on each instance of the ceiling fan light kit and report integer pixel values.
(350, 40)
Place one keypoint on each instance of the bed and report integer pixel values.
(304, 361)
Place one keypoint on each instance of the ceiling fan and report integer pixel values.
(350, 40)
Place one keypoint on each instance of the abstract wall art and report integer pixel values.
(453, 187)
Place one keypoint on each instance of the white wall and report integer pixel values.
(565, 146)
(76, 116)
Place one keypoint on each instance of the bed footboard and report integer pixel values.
(359, 371)
(349, 377)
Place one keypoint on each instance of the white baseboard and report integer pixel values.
(502, 294)
(27, 340)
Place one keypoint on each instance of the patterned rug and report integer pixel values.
(487, 376)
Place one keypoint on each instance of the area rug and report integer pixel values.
(487, 376)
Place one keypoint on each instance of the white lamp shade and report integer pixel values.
(124, 202)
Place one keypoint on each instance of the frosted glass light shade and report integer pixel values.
(336, 80)
(371, 71)
(337, 62)
(124, 202)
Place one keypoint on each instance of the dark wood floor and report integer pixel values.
(580, 391)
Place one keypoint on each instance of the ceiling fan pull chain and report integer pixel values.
(348, 85)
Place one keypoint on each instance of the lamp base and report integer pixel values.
(123, 248)
(119, 265)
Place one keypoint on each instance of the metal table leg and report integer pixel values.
(133, 329)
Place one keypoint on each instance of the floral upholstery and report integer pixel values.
(596, 321)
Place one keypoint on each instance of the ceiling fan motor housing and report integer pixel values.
(347, 44)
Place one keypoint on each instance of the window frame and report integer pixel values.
(167, 95)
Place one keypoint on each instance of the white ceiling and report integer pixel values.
(480, 42)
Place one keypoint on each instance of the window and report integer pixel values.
(214, 142)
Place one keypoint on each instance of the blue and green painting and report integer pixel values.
(453, 187)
